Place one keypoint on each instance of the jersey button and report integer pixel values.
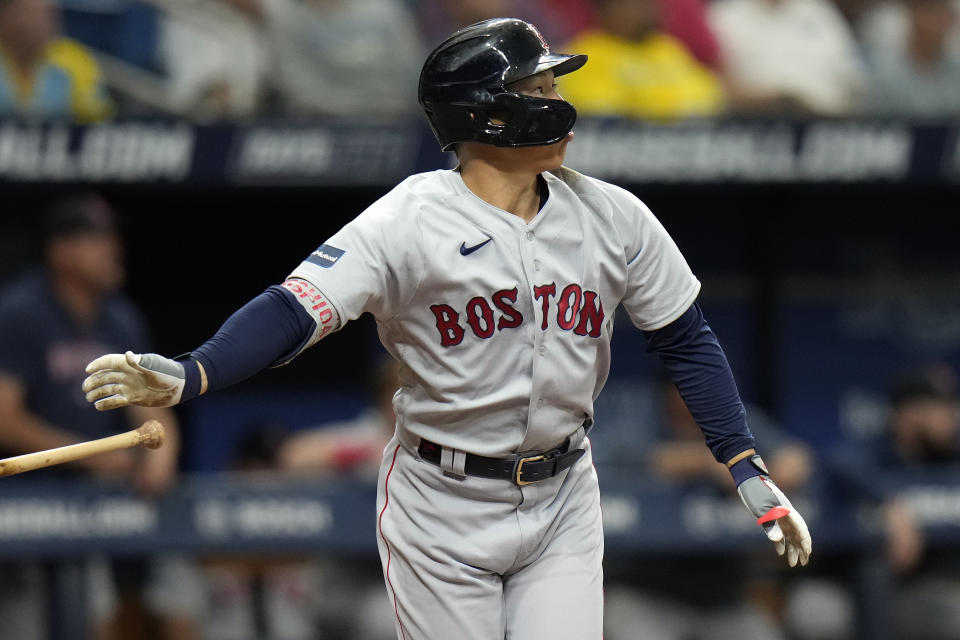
(536, 265)
(529, 235)
(540, 403)
(542, 350)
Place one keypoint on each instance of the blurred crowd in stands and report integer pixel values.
(662, 60)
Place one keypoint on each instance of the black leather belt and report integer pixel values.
(521, 469)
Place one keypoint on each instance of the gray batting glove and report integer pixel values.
(123, 379)
(782, 523)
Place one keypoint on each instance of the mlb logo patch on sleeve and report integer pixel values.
(325, 256)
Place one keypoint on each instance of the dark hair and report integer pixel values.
(936, 382)
(77, 214)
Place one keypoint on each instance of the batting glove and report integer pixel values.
(781, 522)
(124, 379)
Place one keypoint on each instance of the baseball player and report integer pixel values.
(494, 285)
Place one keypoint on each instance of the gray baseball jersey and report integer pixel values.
(503, 332)
(502, 328)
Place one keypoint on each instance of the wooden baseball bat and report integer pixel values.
(148, 435)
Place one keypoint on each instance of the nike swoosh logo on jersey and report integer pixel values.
(465, 250)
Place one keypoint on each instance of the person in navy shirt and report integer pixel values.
(53, 320)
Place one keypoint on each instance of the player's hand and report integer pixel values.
(782, 523)
(123, 379)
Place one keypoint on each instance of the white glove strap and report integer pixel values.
(167, 374)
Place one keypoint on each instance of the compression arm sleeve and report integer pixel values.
(698, 366)
(270, 330)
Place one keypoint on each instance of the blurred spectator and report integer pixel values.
(924, 427)
(913, 54)
(694, 597)
(250, 596)
(214, 58)
(52, 323)
(924, 435)
(355, 604)
(440, 18)
(567, 17)
(922, 440)
(343, 58)
(202, 59)
(124, 29)
(43, 74)
(854, 10)
(637, 70)
(686, 20)
(788, 56)
(354, 446)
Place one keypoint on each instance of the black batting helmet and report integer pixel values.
(464, 81)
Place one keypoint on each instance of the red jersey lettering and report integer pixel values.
(591, 313)
(480, 317)
(544, 292)
(448, 324)
(511, 317)
(568, 305)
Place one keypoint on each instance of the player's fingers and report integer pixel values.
(797, 536)
(796, 531)
(773, 531)
(107, 390)
(101, 378)
(109, 361)
(112, 402)
(792, 554)
(780, 546)
(805, 549)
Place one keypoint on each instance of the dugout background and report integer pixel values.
(785, 268)
(822, 283)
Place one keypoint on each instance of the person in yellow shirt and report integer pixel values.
(43, 74)
(638, 71)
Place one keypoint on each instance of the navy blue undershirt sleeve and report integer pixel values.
(698, 367)
(267, 331)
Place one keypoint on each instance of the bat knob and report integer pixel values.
(150, 435)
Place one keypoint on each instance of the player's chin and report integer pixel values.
(555, 154)
(546, 157)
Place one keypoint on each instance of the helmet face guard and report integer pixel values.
(463, 87)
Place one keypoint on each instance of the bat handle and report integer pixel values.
(150, 435)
